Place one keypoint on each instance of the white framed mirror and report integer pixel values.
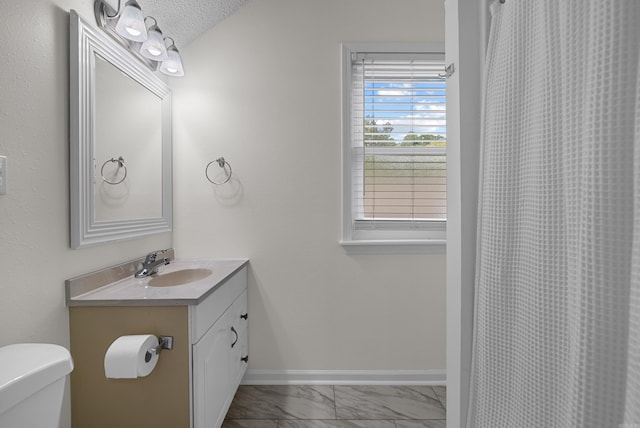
(120, 136)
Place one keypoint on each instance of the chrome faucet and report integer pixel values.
(151, 263)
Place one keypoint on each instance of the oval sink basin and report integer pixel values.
(179, 277)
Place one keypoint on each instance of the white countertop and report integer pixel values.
(133, 291)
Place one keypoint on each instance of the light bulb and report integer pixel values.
(153, 48)
(172, 66)
(131, 23)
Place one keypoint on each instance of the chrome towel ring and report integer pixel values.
(222, 164)
(121, 164)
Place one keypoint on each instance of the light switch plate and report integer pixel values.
(3, 175)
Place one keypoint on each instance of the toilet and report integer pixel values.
(32, 379)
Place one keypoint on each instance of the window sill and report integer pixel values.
(406, 246)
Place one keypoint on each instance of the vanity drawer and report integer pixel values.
(205, 314)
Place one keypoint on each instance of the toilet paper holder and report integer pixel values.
(164, 342)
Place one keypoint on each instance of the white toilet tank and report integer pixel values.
(32, 379)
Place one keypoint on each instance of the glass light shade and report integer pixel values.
(154, 48)
(131, 23)
(172, 66)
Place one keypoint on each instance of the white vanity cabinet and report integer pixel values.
(219, 350)
(193, 384)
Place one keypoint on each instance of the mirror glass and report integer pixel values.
(126, 127)
(120, 175)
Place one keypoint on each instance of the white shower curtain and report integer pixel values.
(557, 303)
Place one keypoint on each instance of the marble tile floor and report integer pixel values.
(337, 406)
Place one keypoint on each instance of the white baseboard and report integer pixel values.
(344, 377)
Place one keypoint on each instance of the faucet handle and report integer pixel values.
(150, 263)
(151, 257)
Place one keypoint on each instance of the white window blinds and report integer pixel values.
(398, 139)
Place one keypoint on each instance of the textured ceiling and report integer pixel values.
(185, 20)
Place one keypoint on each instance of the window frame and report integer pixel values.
(386, 236)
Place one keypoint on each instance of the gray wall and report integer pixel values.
(276, 64)
(263, 90)
(35, 257)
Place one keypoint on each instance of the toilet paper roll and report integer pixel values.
(127, 357)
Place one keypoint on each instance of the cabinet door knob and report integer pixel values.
(233, 330)
(245, 359)
(244, 316)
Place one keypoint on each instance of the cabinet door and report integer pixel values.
(240, 352)
(213, 382)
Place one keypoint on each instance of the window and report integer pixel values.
(394, 148)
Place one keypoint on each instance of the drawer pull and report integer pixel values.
(233, 330)
(245, 359)
(244, 316)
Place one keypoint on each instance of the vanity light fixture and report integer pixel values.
(128, 26)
